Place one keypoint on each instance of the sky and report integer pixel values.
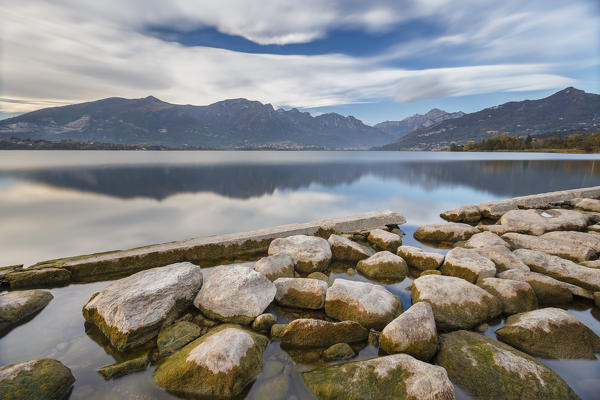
(377, 60)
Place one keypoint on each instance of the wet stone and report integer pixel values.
(586, 204)
(503, 258)
(176, 336)
(264, 322)
(17, 306)
(485, 239)
(344, 249)
(449, 232)
(384, 240)
(419, 259)
(277, 266)
(310, 253)
(41, 379)
(515, 296)
(590, 240)
(548, 290)
(301, 292)
(339, 351)
(320, 333)
(558, 248)
(383, 265)
(537, 222)
(278, 329)
(125, 368)
(320, 276)
(38, 278)
(467, 264)
(466, 213)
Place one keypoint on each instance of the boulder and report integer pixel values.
(344, 249)
(310, 253)
(219, 364)
(467, 264)
(495, 228)
(537, 222)
(449, 232)
(278, 329)
(548, 290)
(384, 240)
(41, 379)
(277, 266)
(515, 296)
(467, 213)
(413, 332)
(370, 305)
(318, 275)
(132, 310)
(264, 322)
(18, 305)
(592, 205)
(30, 277)
(503, 258)
(560, 269)
(485, 239)
(397, 376)
(306, 332)
(554, 247)
(176, 336)
(383, 265)
(419, 259)
(126, 367)
(456, 303)
(489, 369)
(550, 333)
(339, 351)
(300, 292)
(591, 264)
(235, 293)
(594, 228)
(430, 272)
(590, 240)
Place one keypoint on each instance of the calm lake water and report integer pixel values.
(62, 203)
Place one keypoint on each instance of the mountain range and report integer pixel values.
(241, 123)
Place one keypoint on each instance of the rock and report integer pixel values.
(37, 277)
(320, 276)
(219, 364)
(590, 240)
(413, 332)
(456, 303)
(273, 389)
(496, 228)
(132, 310)
(419, 259)
(176, 336)
(126, 367)
(19, 305)
(383, 265)
(561, 249)
(548, 290)
(310, 253)
(594, 228)
(41, 379)
(339, 351)
(468, 213)
(278, 329)
(397, 376)
(592, 205)
(301, 292)
(591, 264)
(264, 322)
(277, 266)
(430, 272)
(515, 296)
(550, 333)
(488, 369)
(370, 305)
(467, 264)
(449, 232)
(560, 269)
(344, 249)
(485, 239)
(204, 322)
(503, 258)
(537, 222)
(307, 332)
(384, 240)
(235, 293)
(597, 299)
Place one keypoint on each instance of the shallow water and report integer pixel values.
(55, 204)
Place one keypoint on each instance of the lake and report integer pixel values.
(63, 203)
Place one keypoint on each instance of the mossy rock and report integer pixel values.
(430, 272)
(319, 333)
(41, 379)
(264, 322)
(18, 305)
(488, 369)
(449, 232)
(339, 351)
(43, 277)
(176, 336)
(383, 265)
(125, 368)
(278, 329)
(219, 364)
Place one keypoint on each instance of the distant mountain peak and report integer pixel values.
(416, 121)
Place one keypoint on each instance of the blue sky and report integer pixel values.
(378, 60)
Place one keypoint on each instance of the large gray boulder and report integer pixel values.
(467, 264)
(537, 222)
(384, 240)
(307, 332)
(413, 332)
(131, 311)
(18, 305)
(219, 364)
(488, 369)
(370, 305)
(566, 250)
(41, 379)
(449, 232)
(420, 259)
(456, 303)
(561, 269)
(344, 249)
(383, 265)
(397, 376)
(548, 290)
(277, 266)
(503, 258)
(235, 293)
(591, 240)
(310, 253)
(485, 239)
(466, 213)
(550, 333)
(300, 292)
(515, 296)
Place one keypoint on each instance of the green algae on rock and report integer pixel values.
(384, 240)
(41, 277)
(264, 322)
(126, 367)
(383, 265)
(18, 305)
(488, 369)
(449, 232)
(176, 336)
(319, 333)
(220, 364)
(419, 259)
(41, 379)
(339, 351)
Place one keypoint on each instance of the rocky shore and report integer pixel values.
(206, 331)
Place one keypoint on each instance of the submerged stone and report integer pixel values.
(384, 240)
(467, 264)
(383, 265)
(344, 249)
(449, 232)
(419, 259)
(310, 253)
(306, 332)
(41, 379)
(19, 305)
(553, 247)
(301, 292)
(548, 290)
(125, 368)
(176, 336)
(277, 266)
(515, 296)
(537, 222)
(339, 351)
